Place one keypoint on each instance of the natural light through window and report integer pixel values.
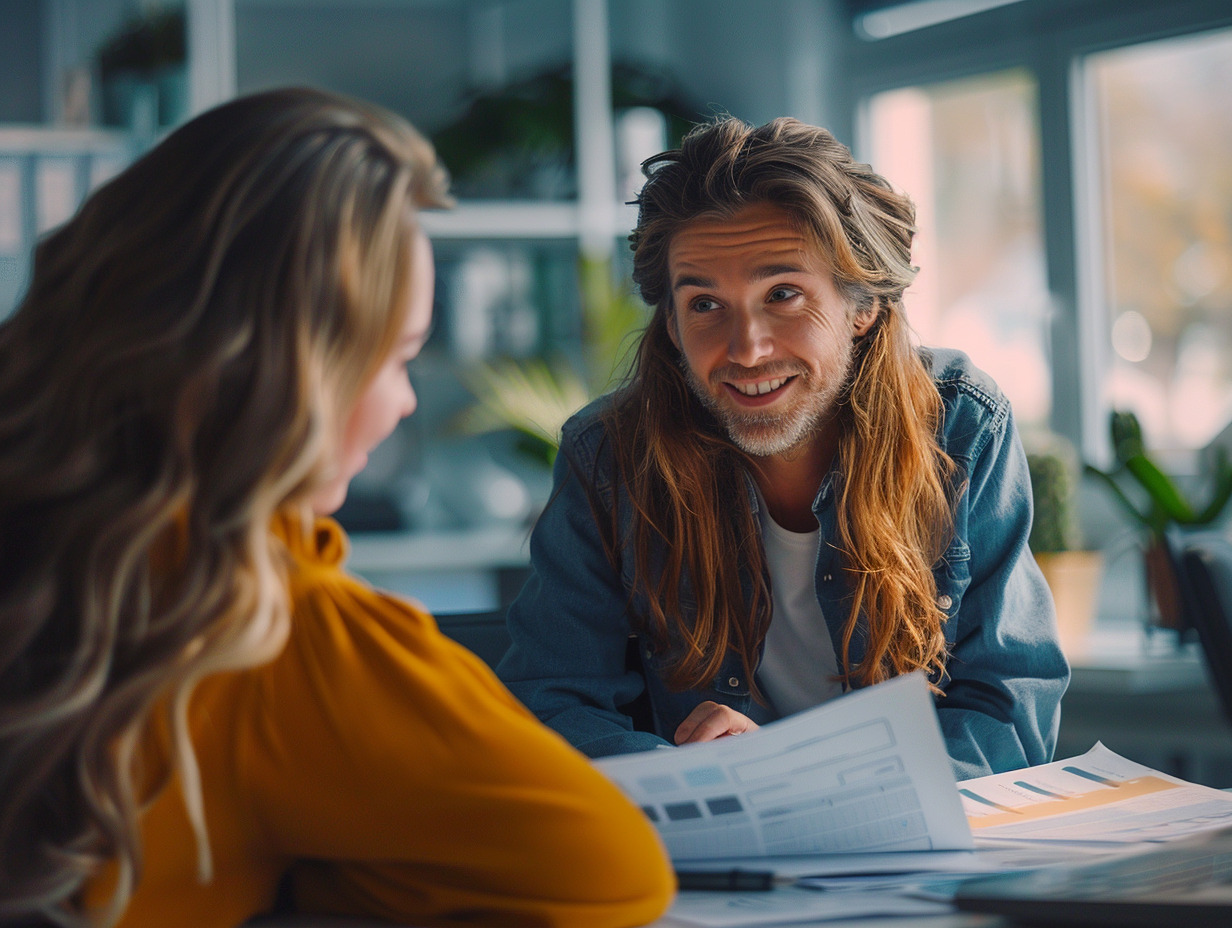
(967, 152)
(1164, 150)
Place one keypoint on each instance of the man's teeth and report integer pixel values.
(762, 386)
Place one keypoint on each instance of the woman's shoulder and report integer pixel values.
(361, 667)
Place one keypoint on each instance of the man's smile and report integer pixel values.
(758, 392)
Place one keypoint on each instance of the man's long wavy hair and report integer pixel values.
(175, 375)
(685, 477)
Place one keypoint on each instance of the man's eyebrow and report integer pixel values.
(774, 270)
(691, 280)
(760, 273)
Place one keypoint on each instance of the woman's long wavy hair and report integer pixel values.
(685, 477)
(175, 375)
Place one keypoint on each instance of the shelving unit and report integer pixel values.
(236, 46)
(45, 173)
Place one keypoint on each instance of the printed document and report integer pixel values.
(1097, 798)
(865, 772)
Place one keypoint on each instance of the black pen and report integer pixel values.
(727, 880)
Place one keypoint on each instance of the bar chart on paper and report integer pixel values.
(1097, 796)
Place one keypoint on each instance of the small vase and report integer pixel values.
(1165, 609)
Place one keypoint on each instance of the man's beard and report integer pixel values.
(762, 433)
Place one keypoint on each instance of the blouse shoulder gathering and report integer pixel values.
(383, 740)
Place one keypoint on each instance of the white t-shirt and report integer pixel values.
(798, 665)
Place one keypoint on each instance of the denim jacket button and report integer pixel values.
(944, 601)
(733, 681)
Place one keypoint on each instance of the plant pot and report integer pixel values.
(130, 101)
(1074, 579)
(1165, 608)
(172, 83)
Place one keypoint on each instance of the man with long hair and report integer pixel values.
(788, 497)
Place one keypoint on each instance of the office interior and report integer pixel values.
(1067, 158)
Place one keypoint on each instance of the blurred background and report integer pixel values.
(1069, 160)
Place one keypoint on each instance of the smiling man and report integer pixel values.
(788, 498)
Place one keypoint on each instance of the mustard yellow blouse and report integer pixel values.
(391, 775)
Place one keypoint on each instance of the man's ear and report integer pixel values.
(863, 320)
(673, 325)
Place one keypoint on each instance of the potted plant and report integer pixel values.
(142, 67)
(1153, 500)
(1072, 571)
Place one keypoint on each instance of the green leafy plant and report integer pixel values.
(145, 43)
(1163, 505)
(508, 137)
(534, 397)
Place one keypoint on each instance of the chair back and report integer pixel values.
(1206, 574)
(484, 633)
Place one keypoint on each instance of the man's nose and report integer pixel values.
(750, 340)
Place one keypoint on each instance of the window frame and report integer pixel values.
(1050, 39)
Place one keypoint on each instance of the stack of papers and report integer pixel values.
(1099, 798)
(854, 804)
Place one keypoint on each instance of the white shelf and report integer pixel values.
(501, 219)
(55, 140)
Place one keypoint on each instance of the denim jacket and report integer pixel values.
(571, 624)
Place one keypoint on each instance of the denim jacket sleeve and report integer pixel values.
(569, 625)
(1006, 673)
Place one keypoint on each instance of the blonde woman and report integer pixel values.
(198, 706)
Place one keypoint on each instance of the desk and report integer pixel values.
(953, 920)
(1130, 694)
(1149, 701)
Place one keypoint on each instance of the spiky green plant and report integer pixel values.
(1164, 505)
(1055, 526)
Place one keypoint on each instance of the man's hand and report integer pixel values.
(711, 720)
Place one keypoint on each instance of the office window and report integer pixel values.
(1163, 136)
(967, 152)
